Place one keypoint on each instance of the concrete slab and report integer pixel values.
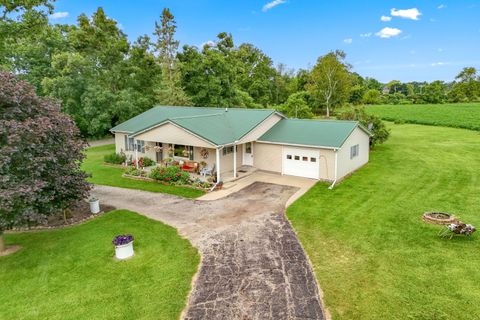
(303, 185)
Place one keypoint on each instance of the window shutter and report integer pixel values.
(190, 153)
(126, 142)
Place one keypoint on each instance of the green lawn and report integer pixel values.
(112, 176)
(372, 254)
(460, 115)
(71, 273)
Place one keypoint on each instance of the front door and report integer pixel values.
(248, 154)
(159, 154)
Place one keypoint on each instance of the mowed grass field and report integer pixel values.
(459, 115)
(71, 273)
(112, 176)
(373, 255)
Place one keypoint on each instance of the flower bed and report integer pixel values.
(168, 176)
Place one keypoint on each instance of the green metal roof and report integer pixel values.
(319, 133)
(217, 125)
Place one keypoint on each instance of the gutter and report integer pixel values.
(336, 166)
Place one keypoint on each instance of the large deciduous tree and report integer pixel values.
(40, 156)
(330, 81)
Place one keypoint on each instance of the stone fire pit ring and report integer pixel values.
(439, 218)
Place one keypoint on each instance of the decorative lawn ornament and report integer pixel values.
(94, 205)
(123, 246)
(458, 228)
(204, 153)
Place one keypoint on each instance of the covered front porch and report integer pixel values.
(225, 163)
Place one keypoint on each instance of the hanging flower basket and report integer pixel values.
(157, 148)
(123, 246)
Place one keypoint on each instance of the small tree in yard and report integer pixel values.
(40, 157)
(373, 123)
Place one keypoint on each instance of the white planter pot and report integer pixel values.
(95, 206)
(124, 251)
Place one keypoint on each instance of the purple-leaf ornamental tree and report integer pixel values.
(40, 157)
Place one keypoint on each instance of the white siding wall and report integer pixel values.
(267, 157)
(347, 165)
(173, 134)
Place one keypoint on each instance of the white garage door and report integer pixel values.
(302, 162)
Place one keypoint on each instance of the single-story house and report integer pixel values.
(230, 138)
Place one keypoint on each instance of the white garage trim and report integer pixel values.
(301, 162)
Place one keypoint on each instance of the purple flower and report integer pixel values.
(122, 239)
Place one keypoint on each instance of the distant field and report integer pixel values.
(459, 115)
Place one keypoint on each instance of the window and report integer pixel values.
(183, 151)
(297, 157)
(228, 150)
(141, 146)
(304, 158)
(130, 144)
(289, 156)
(354, 151)
(313, 159)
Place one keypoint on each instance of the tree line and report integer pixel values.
(102, 78)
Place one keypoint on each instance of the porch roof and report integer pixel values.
(217, 125)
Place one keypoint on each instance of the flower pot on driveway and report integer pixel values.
(94, 205)
(123, 246)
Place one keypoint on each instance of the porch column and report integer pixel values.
(136, 153)
(234, 161)
(218, 164)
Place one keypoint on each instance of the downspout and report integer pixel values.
(335, 175)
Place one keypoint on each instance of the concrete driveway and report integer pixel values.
(253, 266)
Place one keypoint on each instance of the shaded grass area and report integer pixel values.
(457, 115)
(112, 176)
(71, 273)
(373, 255)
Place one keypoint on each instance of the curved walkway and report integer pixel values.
(253, 266)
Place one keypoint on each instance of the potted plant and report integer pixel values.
(94, 205)
(123, 246)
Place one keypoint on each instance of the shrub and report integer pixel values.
(147, 162)
(171, 174)
(115, 158)
(373, 123)
(133, 171)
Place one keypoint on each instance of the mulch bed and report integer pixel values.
(78, 213)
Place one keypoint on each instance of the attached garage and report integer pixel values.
(301, 162)
(316, 149)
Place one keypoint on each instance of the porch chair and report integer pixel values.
(207, 171)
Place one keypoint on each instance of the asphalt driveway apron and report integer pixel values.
(253, 266)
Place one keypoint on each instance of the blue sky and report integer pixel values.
(417, 40)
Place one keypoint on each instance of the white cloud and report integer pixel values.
(348, 40)
(366, 35)
(385, 18)
(209, 43)
(442, 6)
(272, 4)
(59, 15)
(412, 14)
(438, 64)
(388, 32)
